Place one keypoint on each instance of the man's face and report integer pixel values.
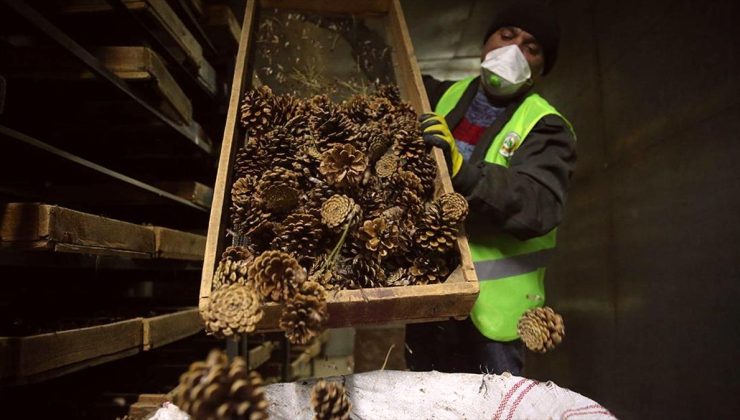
(529, 46)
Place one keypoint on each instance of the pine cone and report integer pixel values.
(386, 166)
(433, 232)
(278, 189)
(332, 128)
(368, 272)
(215, 389)
(343, 165)
(300, 234)
(454, 207)
(232, 269)
(330, 401)
(338, 210)
(314, 199)
(429, 270)
(541, 329)
(247, 216)
(400, 278)
(426, 169)
(408, 147)
(381, 236)
(280, 146)
(304, 315)
(243, 188)
(356, 109)
(233, 309)
(276, 275)
(258, 110)
(389, 92)
(250, 159)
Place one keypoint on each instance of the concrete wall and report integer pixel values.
(647, 274)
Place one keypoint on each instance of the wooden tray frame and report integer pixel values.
(454, 298)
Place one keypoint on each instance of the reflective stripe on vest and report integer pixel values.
(511, 271)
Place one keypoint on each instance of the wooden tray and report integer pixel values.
(455, 297)
(45, 356)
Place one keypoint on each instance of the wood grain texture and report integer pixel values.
(44, 353)
(43, 226)
(261, 354)
(330, 6)
(219, 208)
(178, 245)
(223, 26)
(165, 329)
(137, 63)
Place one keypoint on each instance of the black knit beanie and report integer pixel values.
(536, 18)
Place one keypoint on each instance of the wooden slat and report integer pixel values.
(53, 354)
(216, 223)
(54, 228)
(301, 366)
(389, 304)
(195, 192)
(179, 245)
(165, 329)
(330, 6)
(162, 13)
(410, 74)
(261, 354)
(136, 63)
(223, 26)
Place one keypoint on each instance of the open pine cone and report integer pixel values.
(343, 165)
(329, 401)
(454, 207)
(304, 315)
(257, 110)
(232, 269)
(232, 310)
(367, 271)
(381, 236)
(300, 234)
(541, 329)
(278, 188)
(386, 166)
(215, 389)
(429, 270)
(337, 210)
(276, 275)
(434, 232)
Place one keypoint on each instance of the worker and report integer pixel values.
(511, 154)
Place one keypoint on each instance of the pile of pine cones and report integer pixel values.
(541, 329)
(328, 197)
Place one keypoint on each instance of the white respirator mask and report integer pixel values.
(504, 70)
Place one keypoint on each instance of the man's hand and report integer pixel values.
(436, 132)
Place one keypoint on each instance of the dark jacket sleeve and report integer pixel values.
(435, 89)
(527, 198)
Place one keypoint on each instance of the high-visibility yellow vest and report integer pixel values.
(511, 271)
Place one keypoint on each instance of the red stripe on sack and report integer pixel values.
(508, 395)
(584, 413)
(519, 399)
(573, 410)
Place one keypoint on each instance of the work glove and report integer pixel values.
(436, 133)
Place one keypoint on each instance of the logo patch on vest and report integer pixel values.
(510, 144)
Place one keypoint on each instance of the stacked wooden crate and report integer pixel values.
(108, 111)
